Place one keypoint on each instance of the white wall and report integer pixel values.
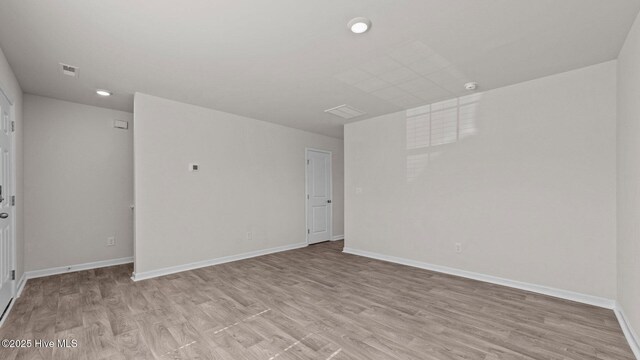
(10, 86)
(528, 189)
(78, 182)
(629, 177)
(251, 179)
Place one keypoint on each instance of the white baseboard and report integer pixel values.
(629, 333)
(60, 270)
(540, 289)
(200, 264)
(79, 267)
(337, 237)
(21, 283)
(19, 287)
(632, 337)
(6, 313)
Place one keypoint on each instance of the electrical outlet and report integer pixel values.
(458, 248)
(111, 241)
(249, 235)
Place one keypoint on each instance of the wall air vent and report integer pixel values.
(345, 111)
(69, 70)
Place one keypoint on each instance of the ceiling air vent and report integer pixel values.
(345, 111)
(69, 70)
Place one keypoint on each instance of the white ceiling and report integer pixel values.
(286, 61)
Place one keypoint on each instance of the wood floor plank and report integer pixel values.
(310, 303)
(70, 350)
(100, 341)
(69, 313)
(133, 346)
(120, 318)
(157, 337)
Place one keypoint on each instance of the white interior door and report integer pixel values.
(318, 196)
(6, 208)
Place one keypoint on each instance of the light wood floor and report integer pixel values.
(311, 303)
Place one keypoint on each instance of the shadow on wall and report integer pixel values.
(411, 75)
(431, 129)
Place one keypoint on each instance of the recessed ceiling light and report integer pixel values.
(471, 86)
(103, 92)
(359, 25)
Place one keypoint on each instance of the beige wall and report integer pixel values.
(528, 189)
(251, 179)
(629, 177)
(78, 182)
(10, 86)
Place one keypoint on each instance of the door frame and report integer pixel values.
(306, 190)
(12, 192)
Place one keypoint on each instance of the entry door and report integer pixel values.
(318, 196)
(6, 210)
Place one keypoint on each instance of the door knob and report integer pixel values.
(329, 201)
(4, 215)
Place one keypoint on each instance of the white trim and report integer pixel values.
(204, 263)
(6, 96)
(21, 284)
(632, 337)
(337, 237)
(19, 288)
(60, 270)
(10, 189)
(540, 289)
(79, 267)
(6, 314)
(306, 190)
(13, 122)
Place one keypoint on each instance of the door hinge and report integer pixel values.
(13, 126)
(307, 196)
(308, 231)
(307, 162)
(13, 274)
(13, 200)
